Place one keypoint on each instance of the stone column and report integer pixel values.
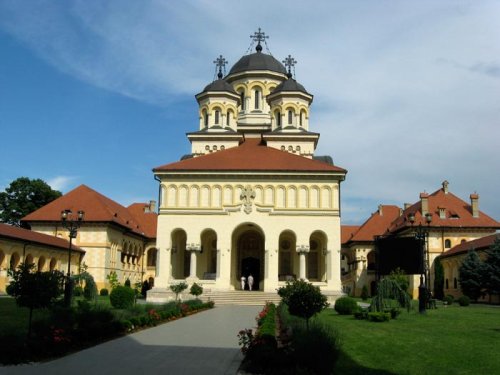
(193, 248)
(302, 250)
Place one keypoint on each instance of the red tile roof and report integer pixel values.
(458, 213)
(377, 224)
(347, 231)
(148, 220)
(25, 235)
(479, 244)
(97, 207)
(251, 155)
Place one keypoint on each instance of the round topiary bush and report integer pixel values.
(104, 292)
(122, 297)
(78, 291)
(449, 299)
(346, 306)
(464, 301)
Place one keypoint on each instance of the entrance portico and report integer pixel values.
(248, 256)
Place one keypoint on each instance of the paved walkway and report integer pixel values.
(205, 343)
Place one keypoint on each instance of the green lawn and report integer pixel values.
(448, 340)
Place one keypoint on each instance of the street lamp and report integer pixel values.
(422, 234)
(72, 226)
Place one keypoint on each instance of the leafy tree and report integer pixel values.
(472, 276)
(178, 289)
(438, 279)
(196, 290)
(364, 293)
(492, 269)
(113, 280)
(24, 196)
(35, 290)
(389, 290)
(400, 277)
(303, 299)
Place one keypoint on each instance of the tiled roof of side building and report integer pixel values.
(347, 231)
(479, 244)
(147, 220)
(26, 235)
(377, 224)
(251, 155)
(97, 207)
(457, 214)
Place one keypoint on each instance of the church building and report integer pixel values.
(251, 198)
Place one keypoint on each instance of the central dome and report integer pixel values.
(258, 61)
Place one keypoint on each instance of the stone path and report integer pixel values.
(205, 343)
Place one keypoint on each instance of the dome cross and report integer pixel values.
(289, 62)
(220, 63)
(259, 36)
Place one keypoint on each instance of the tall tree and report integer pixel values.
(24, 196)
(492, 269)
(471, 276)
(438, 279)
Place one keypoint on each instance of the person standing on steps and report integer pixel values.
(250, 282)
(243, 280)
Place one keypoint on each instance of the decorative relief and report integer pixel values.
(303, 249)
(247, 196)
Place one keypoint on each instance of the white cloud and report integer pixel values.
(61, 183)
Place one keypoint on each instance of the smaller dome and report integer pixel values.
(290, 85)
(220, 85)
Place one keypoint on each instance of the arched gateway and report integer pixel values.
(248, 256)
(251, 198)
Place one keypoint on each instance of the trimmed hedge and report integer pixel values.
(122, 297)
(346, 306)
(464, 301)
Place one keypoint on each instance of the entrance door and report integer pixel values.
(251, 257)
(251, 266)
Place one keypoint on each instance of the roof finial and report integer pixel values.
(289, 63)
(259, 36)
(220, 62)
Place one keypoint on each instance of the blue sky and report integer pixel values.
(406, 94)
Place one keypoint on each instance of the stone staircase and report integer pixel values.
(239, 297)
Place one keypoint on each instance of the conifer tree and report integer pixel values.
(438, 279)
(471, 276)
(492, 269)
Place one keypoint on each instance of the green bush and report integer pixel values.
(267, 323)
(464, 301)
(104, 292)
(196, 290)
(346, 306)
(90, 290)
(127, 283)
(122, 297)
(394, 312)
(449, 299)
(379, 316)
(361, 315)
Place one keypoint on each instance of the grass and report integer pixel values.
(451, 340)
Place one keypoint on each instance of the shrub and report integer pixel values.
(394, 312)
(346, 306)
(122, 297)
(376, 316)
(104, 292)
(361, 315)
(449, 299)
(178, 289)
(127, 282)
(464, 301)
(196, 290)
(90, 290)
(78, 291)
(364, 293)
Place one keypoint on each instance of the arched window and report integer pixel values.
(290, 117)
(257, 98)
(301, 118)
(205, 119)
(455, 283)
(242, 98)
(447, 243)
(447, 284)
(228, 118)
(217, 115)
(277, 117)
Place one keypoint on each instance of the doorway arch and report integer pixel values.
(248, 256)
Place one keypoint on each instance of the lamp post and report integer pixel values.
(422, 234)
(72, 226)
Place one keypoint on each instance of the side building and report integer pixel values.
(446, 220)
(115, 238)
